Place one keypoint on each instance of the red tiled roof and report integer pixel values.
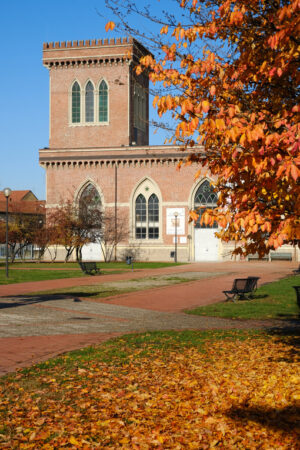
(16, 196)
(25, 207)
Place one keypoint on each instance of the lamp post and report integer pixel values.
(6, 193)
(175, 215)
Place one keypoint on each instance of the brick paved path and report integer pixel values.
(36, 328)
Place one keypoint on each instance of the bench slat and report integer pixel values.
(89, 267)
(242, 286)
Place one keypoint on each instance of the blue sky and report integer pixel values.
(24, 118)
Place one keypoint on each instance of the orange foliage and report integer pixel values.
(242, 107)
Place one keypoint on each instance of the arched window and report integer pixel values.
(140, 217)
(147, 217)
(89, 102)
(103, 102)
(89, 201)
(153, 217)
(75, 103)
(205, 198)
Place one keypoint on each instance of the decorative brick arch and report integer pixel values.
(146, 186)
(195, 187)
(82, 187)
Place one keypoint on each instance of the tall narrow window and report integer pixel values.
(140, 217)
(147, 217)
(153, 217)
(89, 102)
(103, 102)
(75, 103)
(89, 199)
(205, 198)
(90, 211)
(139, 108)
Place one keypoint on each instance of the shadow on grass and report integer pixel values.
(248, 298)
(289, 333)
(22, 300)
(285, 419)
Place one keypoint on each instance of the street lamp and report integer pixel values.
(175, 215)
(6, 193)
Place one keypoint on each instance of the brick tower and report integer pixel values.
(96, 99)
(99, 143)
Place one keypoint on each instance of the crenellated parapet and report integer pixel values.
(94, 52)
(90, 43)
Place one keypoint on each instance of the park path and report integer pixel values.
(34, 328)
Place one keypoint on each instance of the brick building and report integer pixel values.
(99, 143)
(23, 208)
(22, 202)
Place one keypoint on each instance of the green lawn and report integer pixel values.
(23, 272)
(120, 350)
(21, 276)
(272, 301)
(104, 265)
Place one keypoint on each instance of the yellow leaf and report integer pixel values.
(205, 106)
(243, 139)
(74, 441)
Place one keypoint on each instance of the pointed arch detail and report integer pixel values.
(146, 210)
(103, 101)
(76, 102)
(204, 197)
(81, 188)
(89, 101)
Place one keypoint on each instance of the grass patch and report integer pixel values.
(38, 271)
(113, 288)
(22, 276)
(275, 300)
(119, 351)
(103, 265)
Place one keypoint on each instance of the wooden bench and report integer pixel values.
(281, 256)
(242, 288)
(255, 256)
(89, 267)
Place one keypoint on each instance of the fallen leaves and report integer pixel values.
(236, 394)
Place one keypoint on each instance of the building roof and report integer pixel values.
(18, 196)
(24, 202)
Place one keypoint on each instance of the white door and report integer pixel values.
(92, 252)
(206, 244)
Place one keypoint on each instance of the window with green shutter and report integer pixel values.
(103, 102)
(89, 102)
(76, 103)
